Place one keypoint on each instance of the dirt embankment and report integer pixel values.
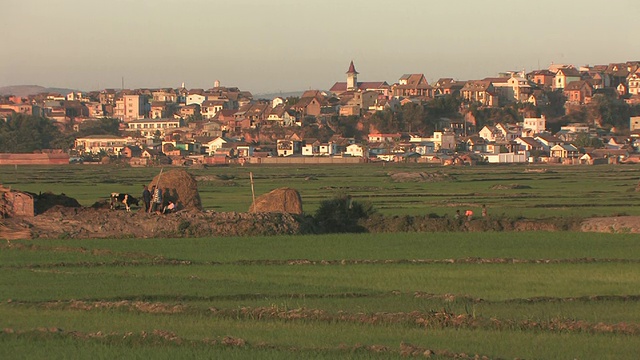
(617, 224)
(61, 222)
(65, 222)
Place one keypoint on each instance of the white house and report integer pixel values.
(425, 147)
(534, 125)
(288, 147)
(149, 127)
(444, 140)
(356, 150)
(505, 158)
(489, 133)
(216, 144)
(108, 143)
(564, 151)
(195, 98)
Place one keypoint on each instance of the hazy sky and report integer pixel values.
(290, 45)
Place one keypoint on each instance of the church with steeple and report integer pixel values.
(352, 84)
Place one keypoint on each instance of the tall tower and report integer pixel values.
(352, 78)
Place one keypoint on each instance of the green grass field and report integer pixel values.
(558, 192)
(534, 295)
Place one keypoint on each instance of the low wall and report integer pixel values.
(306, 160)
(34, 159)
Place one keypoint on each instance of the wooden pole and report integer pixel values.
(157, 187)
(253, 193)
(159, 176)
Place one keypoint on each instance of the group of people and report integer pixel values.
(153, 202)
(469, 213)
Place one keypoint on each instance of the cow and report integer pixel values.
(126, 199)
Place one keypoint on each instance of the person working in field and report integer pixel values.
(146, 198)
(469, 214)
(171, 207)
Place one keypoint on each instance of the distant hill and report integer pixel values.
(284, 95)
(26, 90)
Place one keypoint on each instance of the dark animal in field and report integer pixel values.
(126, 199)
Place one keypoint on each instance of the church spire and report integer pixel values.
(352, 78)
(352, 69)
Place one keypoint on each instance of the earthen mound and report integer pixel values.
(180, 187)
(283, 200)
(509, 187)
(419, 177)
(46, 201)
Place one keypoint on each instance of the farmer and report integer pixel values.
(146, 198)
(458, 215)
(469, 214)
(484, 211)
(171, 207)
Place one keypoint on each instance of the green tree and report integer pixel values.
(605, 112)
(341, 214)
(99, 127)
(26, 133)
(386, 121)
(413, 117)
(291, 100)
(555, 107)
(584, 140)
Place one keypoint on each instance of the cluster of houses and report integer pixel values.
(526, 142)
(223, 124)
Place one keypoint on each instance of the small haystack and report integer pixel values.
(180, 187)
(283, 200)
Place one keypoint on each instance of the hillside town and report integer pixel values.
(562, 114)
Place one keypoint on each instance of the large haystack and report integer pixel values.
(180, 187)
(283, 200)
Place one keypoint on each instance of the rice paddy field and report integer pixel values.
(532, 295)
(518, 191)
(492, 295)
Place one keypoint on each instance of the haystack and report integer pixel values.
(283, 200)
(180, 187)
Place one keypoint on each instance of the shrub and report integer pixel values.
(342, 214)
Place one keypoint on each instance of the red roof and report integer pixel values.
(352, 69)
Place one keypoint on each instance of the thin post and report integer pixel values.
(159, 176)
(157, 187)
(253, 193)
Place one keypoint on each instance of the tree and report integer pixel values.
(443, 106)
(26, 133)
(291, 100)
(99, 127)
(555, 107)
(341, 214)
(347, 126)
(605, 111)
(413, 117)
(385, 121)
(584, 140)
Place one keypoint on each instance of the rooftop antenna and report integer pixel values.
(122, 88)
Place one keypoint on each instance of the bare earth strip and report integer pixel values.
(618, 224)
